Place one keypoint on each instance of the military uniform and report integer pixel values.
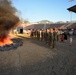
(54, 36)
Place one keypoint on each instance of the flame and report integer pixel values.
(5, 41)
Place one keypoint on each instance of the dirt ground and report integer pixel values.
(36, 58)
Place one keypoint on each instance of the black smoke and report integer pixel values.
(8, 19)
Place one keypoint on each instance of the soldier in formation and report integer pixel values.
(49, 36)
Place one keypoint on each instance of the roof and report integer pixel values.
(43, 26)
(72, 26)
(73, 9)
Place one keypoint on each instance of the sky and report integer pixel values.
(37, 10)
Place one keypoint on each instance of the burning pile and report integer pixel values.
(8, 20)
(5, 39)
(12, 46)
(9, 43)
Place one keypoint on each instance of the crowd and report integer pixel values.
(50, 36)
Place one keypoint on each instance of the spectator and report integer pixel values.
(71, 40)
(62, 38)
(65, 36)
(70, 32)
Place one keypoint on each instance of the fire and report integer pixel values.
(5, 41)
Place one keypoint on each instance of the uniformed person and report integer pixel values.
(45, 36)
(49, 37)
(54, 36)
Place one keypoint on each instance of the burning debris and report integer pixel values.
(16, 42)
(8, 20)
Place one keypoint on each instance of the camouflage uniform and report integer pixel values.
(38, 34)
(54, 37)
(49, 38)
(45, 36)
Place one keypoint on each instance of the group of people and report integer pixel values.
(64, 37)
(49, 36)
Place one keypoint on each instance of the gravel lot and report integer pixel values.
(37, 58)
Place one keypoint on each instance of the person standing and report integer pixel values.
(38, 34)
(42, 35)
(65, 36)
(54, 38)
(71, 39)
(45, 36)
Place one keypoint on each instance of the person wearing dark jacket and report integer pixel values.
(65, 36)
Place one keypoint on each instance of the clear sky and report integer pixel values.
(52, 10)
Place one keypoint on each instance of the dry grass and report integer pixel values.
(18, 35)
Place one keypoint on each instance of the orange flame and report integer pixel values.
(5, 41)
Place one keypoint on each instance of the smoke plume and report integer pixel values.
(8, 19)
